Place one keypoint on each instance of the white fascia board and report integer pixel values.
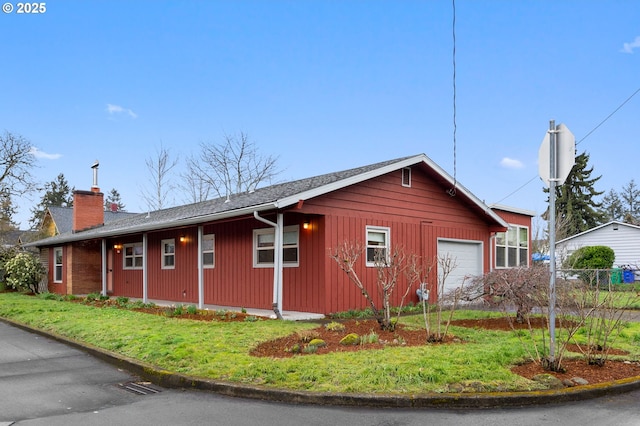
(422, 158)
(510, 209)
(316, 192)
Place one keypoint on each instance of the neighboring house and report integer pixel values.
(269, 248)
(59, 220)
(16, 238)
(623, 238)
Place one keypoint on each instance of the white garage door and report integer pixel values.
(467, 258)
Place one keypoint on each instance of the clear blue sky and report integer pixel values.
(325, 85)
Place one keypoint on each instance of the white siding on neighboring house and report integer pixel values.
(623, 238)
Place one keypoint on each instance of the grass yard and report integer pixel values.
(221, 350)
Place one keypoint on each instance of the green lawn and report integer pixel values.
(220, 350)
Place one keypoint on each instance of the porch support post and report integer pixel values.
(277, 259)
(104, 266)
(145, 275)
(200, 270)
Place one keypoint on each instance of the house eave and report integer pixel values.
(107, 232)
(411, 161)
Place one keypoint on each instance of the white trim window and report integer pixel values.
(133, 254)
(264, 247)
(512, 247)
(406, 177)
(378, 244)
(168, 254)
(57, 264)
(208, 251)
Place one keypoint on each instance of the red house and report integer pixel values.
(269, 248)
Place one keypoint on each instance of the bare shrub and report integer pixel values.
(389, 269)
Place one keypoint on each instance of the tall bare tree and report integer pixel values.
(16, 161)
(195, 188)
(232, 167)
(159, 167)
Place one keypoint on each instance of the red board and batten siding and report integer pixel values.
(417, 216)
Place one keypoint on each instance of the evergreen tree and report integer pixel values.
(113, 197)
(612, 206)
(57, 193)
(7, 210)
(576, 208)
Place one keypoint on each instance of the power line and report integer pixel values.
(610, 115)
(586, 136)
(452, 191)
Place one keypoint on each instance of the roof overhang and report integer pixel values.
(443, 177)
(110, 231)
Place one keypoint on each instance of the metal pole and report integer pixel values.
(553, 181)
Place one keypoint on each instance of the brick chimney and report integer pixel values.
(88, 206)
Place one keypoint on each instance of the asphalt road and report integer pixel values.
(44, 382)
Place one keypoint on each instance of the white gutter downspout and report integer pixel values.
(200, 270)
(145, 276)
(104, 267)
(277, 261)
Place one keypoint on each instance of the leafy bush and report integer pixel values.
(591, 257)
(598, 259)
(24, 272)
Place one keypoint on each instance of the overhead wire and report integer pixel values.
(452, 191)
(581, 140)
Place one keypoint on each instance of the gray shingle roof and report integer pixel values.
(63, 217)
(267, 198)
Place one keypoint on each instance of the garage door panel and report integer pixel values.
(467, 258)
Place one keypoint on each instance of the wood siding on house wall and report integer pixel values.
(416, 216)
(84, 266)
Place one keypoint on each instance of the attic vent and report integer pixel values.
(406, 177)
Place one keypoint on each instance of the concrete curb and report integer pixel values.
(170, 379)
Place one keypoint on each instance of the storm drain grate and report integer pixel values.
(139, 388)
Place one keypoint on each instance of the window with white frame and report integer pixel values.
(168, 254)
(208, 251)
(132, 258)
(264, 246)
(378, 244)
(57, 265)
(512, 247)
(406, 176)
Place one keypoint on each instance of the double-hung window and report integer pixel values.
(378, 245)
(57, 265)
(132, 258)
(168, 254)
(208, 251)
(264, 247)
(512, 247)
